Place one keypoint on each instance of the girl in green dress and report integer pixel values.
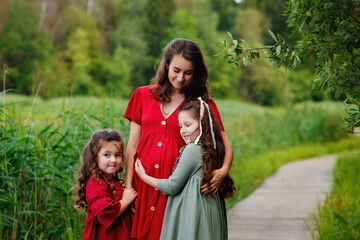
(189, 214)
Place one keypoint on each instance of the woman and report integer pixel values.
(154, 131)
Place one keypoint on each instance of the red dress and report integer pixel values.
(158, 149)
(101, 220)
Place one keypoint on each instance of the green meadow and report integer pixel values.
(42, 141)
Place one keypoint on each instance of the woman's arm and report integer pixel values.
(135, 133)
(218, 175)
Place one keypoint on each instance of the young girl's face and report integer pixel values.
(189, 126)
(110, 157)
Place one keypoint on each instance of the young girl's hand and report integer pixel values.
(139, 168)
(129, 195)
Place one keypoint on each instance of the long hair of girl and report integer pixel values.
(212, 158)
(89, 166)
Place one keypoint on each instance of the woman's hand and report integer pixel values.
(218, 176)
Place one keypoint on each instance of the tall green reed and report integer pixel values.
(38, 170)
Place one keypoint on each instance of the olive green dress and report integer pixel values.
(189, 214)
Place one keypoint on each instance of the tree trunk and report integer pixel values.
(43, 11)
(90, 6)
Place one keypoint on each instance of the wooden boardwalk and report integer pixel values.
(278, 209)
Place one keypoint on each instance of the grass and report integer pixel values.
(338, 216)
(42, 141)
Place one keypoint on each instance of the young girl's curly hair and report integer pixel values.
(212, 158)
(89, 166)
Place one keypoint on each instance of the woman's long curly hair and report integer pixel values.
(212, 158)
(198, 85)
(89, 166)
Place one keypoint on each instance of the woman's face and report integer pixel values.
(180, 72)
(189, 126)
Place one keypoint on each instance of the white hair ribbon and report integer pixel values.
(202, 104)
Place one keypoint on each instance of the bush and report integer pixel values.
(281, 128)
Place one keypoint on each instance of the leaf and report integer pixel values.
(278, 50)
(230, 36)
(273, 35)
(339, 232)
(45, 129)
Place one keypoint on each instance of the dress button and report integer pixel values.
(152, 208)
(163, 122)
(156, 166)
(159, 144)
(156, 189)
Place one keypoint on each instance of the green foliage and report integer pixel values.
(158, 13)
(38, 170)
(332, 38)
(263, 85)
(53, 76)
(339, 216)
(182, 25)
(300, 85)
(72, 19)
(78, 55)
(116, 73)
(226, 11)
(248, 25)
(22, 45)
(129, 35)
(281, 128)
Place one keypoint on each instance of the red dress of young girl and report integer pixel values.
(102, 221)
(158, 149)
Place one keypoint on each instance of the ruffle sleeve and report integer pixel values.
(133, 110)
(216, 114)
(100, 202)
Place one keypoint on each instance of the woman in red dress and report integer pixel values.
(155, 138)
(99, 191)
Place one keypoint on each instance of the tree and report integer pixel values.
(23, 46)
(158, 13)
(78, 58)
(116, 73)
(332, 38)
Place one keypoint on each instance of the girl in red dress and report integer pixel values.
(154, 131)
(99, 191)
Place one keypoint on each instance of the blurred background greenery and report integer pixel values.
(110, 47)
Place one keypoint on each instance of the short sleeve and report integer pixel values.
(100, 202)
(134, 107)
(188, 164)
(216, 114)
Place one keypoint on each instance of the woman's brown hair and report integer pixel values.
(213, 158)
(198, 85)
(89, 166)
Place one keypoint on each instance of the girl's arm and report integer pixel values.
(190, 161)
(135, 133)
(218, 175)
(140, 170)
(128, 197)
